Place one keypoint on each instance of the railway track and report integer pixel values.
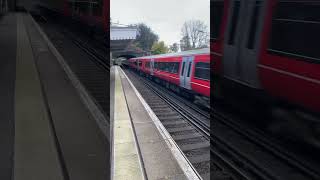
(96, 56)
(236, 151)
(220, 167)
(189, 128)
(89, 65)
(253, 169)
(264, 159)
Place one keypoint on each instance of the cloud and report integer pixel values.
(165, 17)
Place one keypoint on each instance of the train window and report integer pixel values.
(217, 18)
(168, 67)
(183, 64)
(160, 66)
(189, 68)
(202, 71)
(295, 28)
(234, 22)
(172, 67)
(163, 66)
(253, 25)
(175, 67)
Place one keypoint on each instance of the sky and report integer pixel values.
(165, 17)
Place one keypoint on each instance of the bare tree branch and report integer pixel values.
(194, 35)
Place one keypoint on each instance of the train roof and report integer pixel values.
(182, 53)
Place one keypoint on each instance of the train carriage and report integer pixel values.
(187, 71)
(269, 46)
(266, 52)
(200, 77)
(92, 16)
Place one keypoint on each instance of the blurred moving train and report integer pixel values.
(185, 72)
(93, 15)
(268, 50)
(94, 12)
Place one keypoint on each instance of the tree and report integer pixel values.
(146, 37)
(159, 48)
(194, 35)
(185, 43)
(174, 47)
(134, 47)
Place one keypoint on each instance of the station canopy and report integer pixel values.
(118, 33)
(121, 38)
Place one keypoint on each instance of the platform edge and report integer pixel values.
(84, 95)
(185, 165)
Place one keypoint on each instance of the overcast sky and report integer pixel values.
(165, 17)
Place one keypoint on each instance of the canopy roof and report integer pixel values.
(123, 33)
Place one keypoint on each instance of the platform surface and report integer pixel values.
(150, 146)
(8, 44)
(34, 139)
(47, 131)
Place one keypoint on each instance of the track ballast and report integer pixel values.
(188, 127)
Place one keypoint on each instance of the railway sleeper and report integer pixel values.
(188, 147)
(295, 125)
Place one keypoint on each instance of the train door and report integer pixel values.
(151, 66)
(186, 70)
(242, 40)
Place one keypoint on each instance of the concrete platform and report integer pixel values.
(49, 129)
(8, 44)
(142, 148)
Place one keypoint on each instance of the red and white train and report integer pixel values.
(187, 71)
(269, 50)
(95, 15)
(269, 45)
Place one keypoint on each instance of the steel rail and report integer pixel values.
(198, 124)
(260, 140)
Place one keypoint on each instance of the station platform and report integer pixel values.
(49, 128)
(141, 146)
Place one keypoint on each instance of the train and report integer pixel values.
(186, 72)
(92, 16)
(267, 52)
(94, 13)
